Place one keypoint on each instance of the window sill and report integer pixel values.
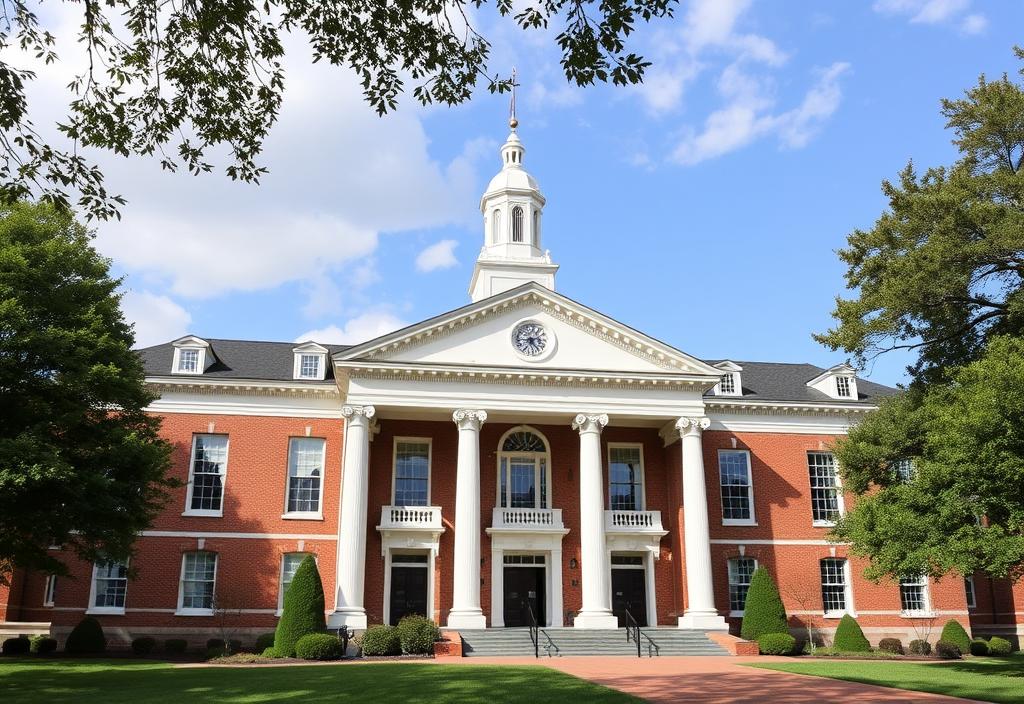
(918, 614)
(104, 611)
(302, 516)
(194, 612)
(823, 524)
(736, 614)
(836, 615)
(47, 604)
(738, 522)
(204, 514)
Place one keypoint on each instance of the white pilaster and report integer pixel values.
(466, 612)
(349, 610)
(596, 611)
(700, 611)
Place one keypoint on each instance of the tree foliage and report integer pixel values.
(178, 80)
(763, 612)
(81, 463)
(303, 608)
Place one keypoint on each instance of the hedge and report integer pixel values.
(86, 638)
(144, 645)
(948, 651)
(920, 647)
(43, 645)
(849, 637)
(319, 646)
(954, 633)
(417, 635)
(16, 646)
(999, 646)
(175, 646)
(891, 645)
(763, 612)
(381, 640)
(303, 608)
(979, 647)
(776, 644)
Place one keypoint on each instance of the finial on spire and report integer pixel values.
(512, 121)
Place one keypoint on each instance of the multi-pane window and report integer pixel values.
(50, 591)
(904, 470)
(843, 388)
(741, 569)
(737, 491)
(188, 361)
(289, 563)
(110, 585)
(523, 471)
(198, 575)
(727, 386)
(825, 497)
(625, 479)
(305, 474)
(209, 465)
(412, 473)
(309, 366)
(914, 594)
(833, 585)
(969, 592)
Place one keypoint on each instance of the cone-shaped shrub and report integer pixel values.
(764, 612)
(303, 608)
(954, 633)
(86, 638)
(849, 637)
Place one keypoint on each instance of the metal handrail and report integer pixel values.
(536, 632)
(633, 632)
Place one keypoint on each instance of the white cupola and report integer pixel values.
(512, 207)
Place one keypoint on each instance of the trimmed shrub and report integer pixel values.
(891, 645)
(264, 641)
(417, 635)
(979, 647)
(215, 644)
(303, 608)
(849, 637)
(319, 646)
(144, 645)
(43, 645)
(270, 652)
(948, 651)
(763, 612)
(776, 644)
(86, 638)
(954, 633)
(16, 646)
(999, 647)
(920, 647)
(381, 640)
(175, 646)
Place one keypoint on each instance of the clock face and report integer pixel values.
(530, 339)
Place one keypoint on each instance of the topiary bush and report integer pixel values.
(417, 635)
(175, 646)
(849, 637)
(979, 647)
(16, 646)
(319, 646)
(763, 612)
(303, 608)
(776, 644)
(86, 638)
(891, 645)
(144, 645)
(999, 647)
(43, 645)
(264, 641)
(948, 651)
(270, 652)
(954, 633)
(920, 647)
(381, 640)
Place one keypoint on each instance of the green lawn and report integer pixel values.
(27, 681)
(984, 679)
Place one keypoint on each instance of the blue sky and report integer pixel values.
(704, 208)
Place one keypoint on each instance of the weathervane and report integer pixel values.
(512, 121)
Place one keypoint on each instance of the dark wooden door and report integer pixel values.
(408, 592)
(629, 592)
(524, 585)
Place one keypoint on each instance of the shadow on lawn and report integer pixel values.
(1000, 667)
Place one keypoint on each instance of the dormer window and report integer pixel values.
(730, 383)
(727, 386)
(839, 382)
(310, 362)
(188, 361)
(189, 355)
(309, 366)
(844, 386)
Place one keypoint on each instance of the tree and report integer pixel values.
(180, 80)
(303, 608)
(81, 464)
(763, 611)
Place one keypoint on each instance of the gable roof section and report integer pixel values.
(237, 359)
(776, 381)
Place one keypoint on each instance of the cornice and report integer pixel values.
(737, 405)
(241, 387)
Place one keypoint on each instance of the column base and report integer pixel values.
(470, 618)
(703, 621)
(351, 617)
(595, 619)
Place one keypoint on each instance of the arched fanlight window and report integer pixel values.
(523, 441)
(523, 470)
(517, 224)
(496, 226)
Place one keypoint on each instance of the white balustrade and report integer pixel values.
(527, 518)
(632, 521)
(410, 517)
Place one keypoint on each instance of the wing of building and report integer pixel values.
(524, 458)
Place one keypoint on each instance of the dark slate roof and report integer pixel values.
(273, 361)
(237, 359)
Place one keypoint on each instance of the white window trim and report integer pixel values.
(850, 386)
(752, 521)
(847, 591)
(317, 515)
(394, 463)
(972, 603)
(181, 611)
(200, 362)
(928, 611)
(50, 588)
(501, 454)
(208, 513)
(840, 504)
(280, 578)
(321, 365)
(103, 610)
(737, 613)
(643, 473)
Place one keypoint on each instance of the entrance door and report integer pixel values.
(408, 592)
(629, 593)
(524, 585)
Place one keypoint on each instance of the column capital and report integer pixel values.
(357, 414)
(468, 419)
(692, 425)
(590, 422)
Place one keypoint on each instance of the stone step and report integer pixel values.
(504, 642)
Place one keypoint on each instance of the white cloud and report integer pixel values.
(935, 12)
(156, 318)
(358, 329)
(974, 24)
(440, 255)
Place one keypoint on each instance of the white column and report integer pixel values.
(348, 610)
(700, 610)
(466, 611)
(596, 611)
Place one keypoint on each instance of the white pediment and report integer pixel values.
(481, 334)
